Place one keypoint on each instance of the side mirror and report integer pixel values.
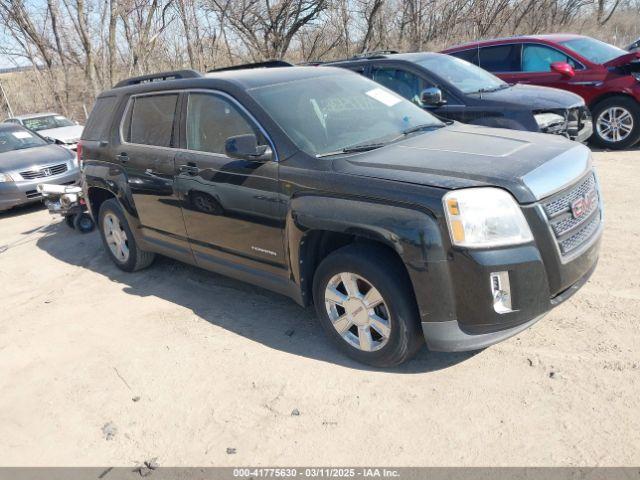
(564, 69)
(246, 147)
(432, 97)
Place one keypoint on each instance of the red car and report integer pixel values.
(607, 77)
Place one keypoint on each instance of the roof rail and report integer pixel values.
(158, 77)
(266, 64)
(375, 54)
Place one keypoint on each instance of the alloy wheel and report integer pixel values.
(357, 311)
(614, 124)
(116, 237)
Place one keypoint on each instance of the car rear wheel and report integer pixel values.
(365, 304)
(616, 123)
(118, 239)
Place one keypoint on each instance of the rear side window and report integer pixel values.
(97, 127)
(468, 55)
(150, 120)
(501, 58)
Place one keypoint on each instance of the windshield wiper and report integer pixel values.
(494, 89)
(424, 126)
(364, 147)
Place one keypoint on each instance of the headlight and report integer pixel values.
(636, 75)
(485, 217)
(550, 122)
(5, 177)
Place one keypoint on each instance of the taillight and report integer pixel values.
(79, 153)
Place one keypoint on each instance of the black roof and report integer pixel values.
(245, 79)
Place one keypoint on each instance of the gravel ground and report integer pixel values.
(100, 367)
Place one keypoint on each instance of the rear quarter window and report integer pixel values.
(150, 119)
(470, 56)
(97, 127)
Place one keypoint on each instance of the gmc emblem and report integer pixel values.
(584, 204)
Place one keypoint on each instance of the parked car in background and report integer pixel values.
(338, 192)
(457, 90)
(634, 46)
(27, 159)
(607, 77)
(51, 125)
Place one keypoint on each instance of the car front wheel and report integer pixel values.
(616, 123)
(365, 303)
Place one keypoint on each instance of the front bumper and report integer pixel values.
(22, 192)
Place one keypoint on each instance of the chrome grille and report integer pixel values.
(572, 230)
(44, 171)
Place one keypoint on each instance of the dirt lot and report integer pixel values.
(100, 367)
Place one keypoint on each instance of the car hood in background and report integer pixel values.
(623, 60)
(534, 97)
(17, 160)
(64, 134)
(531, 166)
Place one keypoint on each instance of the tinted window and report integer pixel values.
(97, 127)
(18, 138)
(211, 120)
(501, 58)
(150, 120)
(400, 81)
(538, 58)
(470, 56)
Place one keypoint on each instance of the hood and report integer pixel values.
(531, 166)
(623, 60)
(20, 160)
(64, 134)
(534, 98)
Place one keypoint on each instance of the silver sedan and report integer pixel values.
(27, 159)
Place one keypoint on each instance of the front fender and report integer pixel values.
(415, 235)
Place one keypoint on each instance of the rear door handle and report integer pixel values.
(123, 157)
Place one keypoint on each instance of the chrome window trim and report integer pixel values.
(188, 91)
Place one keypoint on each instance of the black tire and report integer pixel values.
(383, 271)
(70, 221)
(83, 223)
(601, 108)
(137, 258)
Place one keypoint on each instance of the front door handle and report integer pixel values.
(190, 168)
(123, 157)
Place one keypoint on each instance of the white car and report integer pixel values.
(52, 125)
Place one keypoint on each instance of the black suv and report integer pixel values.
(323, 185)
(458, 90)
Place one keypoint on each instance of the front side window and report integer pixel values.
(594, 50)
(16, 138)
(463, 75)
(538, 58)
(501, 58)
(400, 81)
(46, 122)
(212, 119)
(329, 113)
(150, 120)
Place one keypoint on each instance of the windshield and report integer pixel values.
(18, 139)
(594, 50)
(47, 122)
(463, 75)
(329, 113)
